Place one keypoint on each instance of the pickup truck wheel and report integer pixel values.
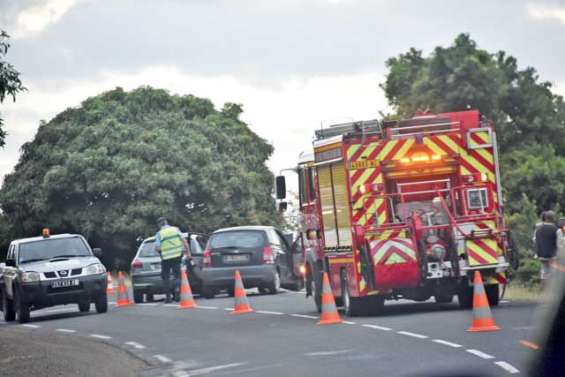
(101, 303)
(84, 306)
(22, 310)
(8, 308)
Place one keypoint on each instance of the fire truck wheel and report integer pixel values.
(352, 306)
(493, 294)
(314, 285)
(376, 304)
(465, 295)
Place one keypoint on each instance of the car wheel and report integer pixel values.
(263, 290)
(208, 293)
(8, 308)
(22, 310)
(84, 306)
(275, 286)
(101, 303)
(231, 292)
(137, 297)
(149, 297)
(493, 294)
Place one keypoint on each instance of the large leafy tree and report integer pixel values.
(10, 83)
(529, 117)
(110, 167)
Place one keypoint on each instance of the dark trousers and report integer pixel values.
(167, 267)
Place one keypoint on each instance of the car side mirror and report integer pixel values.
(97, 252)
(283, 206)
(280, 184)
(10, 263)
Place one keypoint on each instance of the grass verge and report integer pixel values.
(516, 292)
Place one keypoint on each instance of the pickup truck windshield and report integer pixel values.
(52, 248)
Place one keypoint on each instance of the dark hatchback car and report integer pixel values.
(146, 267)
(262, 254)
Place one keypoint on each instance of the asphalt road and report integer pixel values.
(281, 338)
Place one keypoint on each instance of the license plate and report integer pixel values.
(156, 266)
(65, 283)
(236, 258)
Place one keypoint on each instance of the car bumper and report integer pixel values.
(153, 283)
(41, 294)
(252, 276)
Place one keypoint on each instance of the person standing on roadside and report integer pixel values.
(561, 241)
(546, 243)
(170, 244)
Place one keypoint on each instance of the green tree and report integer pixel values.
(110, 167)
(10, 83)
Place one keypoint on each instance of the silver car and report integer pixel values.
(146, 267)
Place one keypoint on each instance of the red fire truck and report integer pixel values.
(402, 209)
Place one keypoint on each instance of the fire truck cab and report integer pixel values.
(403, 209)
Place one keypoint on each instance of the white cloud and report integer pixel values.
(286, 116)
(36, 18)
(547, 12)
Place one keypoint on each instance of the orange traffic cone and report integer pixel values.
(110, 289)
(122, 291)
(186, 299)
(482, 316)
(329, 314)
(241, 304)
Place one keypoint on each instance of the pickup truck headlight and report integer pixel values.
(30, 277)
(95, 268)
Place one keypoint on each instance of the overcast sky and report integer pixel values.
(292, 63)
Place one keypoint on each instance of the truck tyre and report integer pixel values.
(352, 306)
(208, 292)
(493, 294)
(101, 303)
(465, 295)
(137, 296)
(149, 297)
(22, 310)
(275, 286)
(8, 308)
(443, 298)
(84, 306)
(375, 304)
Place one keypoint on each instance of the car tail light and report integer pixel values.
(207, 258)
(268, 257)
(136, 264)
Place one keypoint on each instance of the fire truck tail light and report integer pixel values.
(268, 257)
(207, 258)
(436, 157)
(405, 160)
(484, 177)
(370, 187)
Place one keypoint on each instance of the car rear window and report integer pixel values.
(53, 247)
(238, 239)
(148, 249)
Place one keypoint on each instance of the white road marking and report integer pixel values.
(31, 326)
(206, 307)
(507, 367)
(349, 323)
(112, 302)
(412, 334)
(69, 331)
(135, 345)
(504, 302)
(163, 359)
(376, 327)
(171, 305)
(201, 371)
(149, 304)
(327, 353)
(303, 316)
(446, 343)
(98, 336)
(269, 312)
(229, 309)
(480, 354)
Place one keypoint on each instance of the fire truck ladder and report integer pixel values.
(363, 128)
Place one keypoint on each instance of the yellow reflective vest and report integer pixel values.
(171, 243)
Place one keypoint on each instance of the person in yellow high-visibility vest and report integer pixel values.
(170, 244)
